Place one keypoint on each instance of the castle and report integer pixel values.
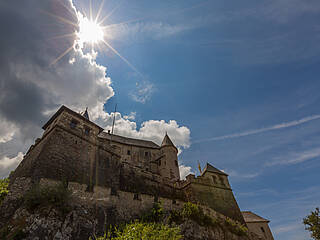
(76, 150)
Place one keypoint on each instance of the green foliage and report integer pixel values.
(193, 212)
(236, 227)
(312, 224)
(57, 196)
(145, 231)
(155, 215)
(4, 183)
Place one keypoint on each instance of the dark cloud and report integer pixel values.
(31, 39)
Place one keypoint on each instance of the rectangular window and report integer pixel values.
(73, 123)
(146, 154)
(86, 130)
(128, 152)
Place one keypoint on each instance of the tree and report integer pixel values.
(312, 224)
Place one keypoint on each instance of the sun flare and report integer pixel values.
(89, 31)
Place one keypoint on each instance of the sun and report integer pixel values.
(89, 31)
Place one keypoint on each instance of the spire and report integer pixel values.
(86, 114)
(166, 141)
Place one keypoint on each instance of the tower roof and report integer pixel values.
(210, 168)
(86, 114)
(166, 141)
(252, 217)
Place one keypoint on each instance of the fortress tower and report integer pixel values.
(169, 163)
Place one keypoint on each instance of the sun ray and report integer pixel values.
(123, 58)
(99, 11)
(90, 9)
(109, 15)
(67, 8)
(122, 23)
(61, 55)
(64, 36)
(62, 19)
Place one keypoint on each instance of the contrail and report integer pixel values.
(260, 130)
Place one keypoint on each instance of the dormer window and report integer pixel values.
(73, 123)
(86, 130)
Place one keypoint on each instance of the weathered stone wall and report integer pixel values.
(261, 229)
(213, 191)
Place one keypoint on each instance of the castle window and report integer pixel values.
(136, 196)
(128, 152)
(262, 229)
(176, 163)
(73, 123)
(214, 179)
(86, 130)
(146, 154)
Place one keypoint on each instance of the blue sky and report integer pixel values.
(239, 80)
(226, 68)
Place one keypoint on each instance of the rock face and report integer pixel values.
(89, 214)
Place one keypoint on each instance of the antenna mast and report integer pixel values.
(114, 117)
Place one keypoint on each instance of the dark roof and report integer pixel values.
(129, 141)
(64, 108)
(210, 168)
(250, 217)
(166, 141)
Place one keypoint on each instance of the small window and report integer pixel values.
(176, 163)
(262, 229)
(73, 123)
(86, 130)
(128, 152)
(136, 196)
(214, 179)
(146, 154)
(159, 162)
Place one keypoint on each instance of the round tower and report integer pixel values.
(168, 164)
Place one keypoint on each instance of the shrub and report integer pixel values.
(236, 227)
(195, 213)
(145, 231)
(4, 183)
(57, 196)
(154, 215)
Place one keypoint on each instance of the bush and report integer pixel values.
(4, 183)
(195, 213)
(155, 215)
(145, 231)
(236, 227)
(57, 196)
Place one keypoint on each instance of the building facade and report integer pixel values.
(75, 149)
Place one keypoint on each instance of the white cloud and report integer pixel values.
(184, 171)
(7, 131)
(233, 173)
(153, 130)
(296, 157)
(131, 116)
(261, 130)
(143, 92)
(8, 164)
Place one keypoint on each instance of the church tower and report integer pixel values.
(168, 164)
